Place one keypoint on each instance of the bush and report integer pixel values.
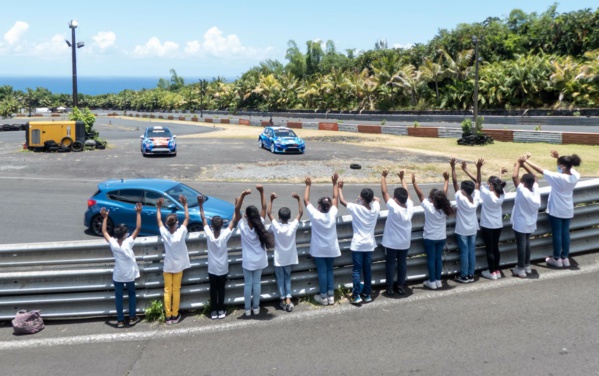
(466, 127)
(416, 124)
(155, 312)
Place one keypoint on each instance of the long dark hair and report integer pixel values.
(497, 184)
(440, 201)
(253, 216)
(569, 160)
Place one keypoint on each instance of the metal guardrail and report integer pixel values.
(71, 279)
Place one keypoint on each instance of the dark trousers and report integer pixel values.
(217, 291)
(523, 245)
(491, 239)
(393, 256)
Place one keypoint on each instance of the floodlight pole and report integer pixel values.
(73, 25)
(475, 41)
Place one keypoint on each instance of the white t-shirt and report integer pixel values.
(125, 266)
(363, 224)
(253, 255)
(218, 263)
(491, 215)
(176, 256)
(560, 203)
(526, 209)
(323, 242)
(398, 227)
(285, 247)
(466, 222)
(434, 222)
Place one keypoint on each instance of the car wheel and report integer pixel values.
(96, 225)
(195, 227)
(272, 147)
(260, 144)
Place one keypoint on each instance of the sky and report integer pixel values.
(219, 38)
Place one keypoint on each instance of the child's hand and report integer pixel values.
(503, 171)
(554, 154)
(452, 162)
(340, 184)
(335, 178)
(522, 159)
(246, 192)
(295, 196)
(159, 203)
(446, 175)
(385, 173)
(273, 196)
(480, 163)
(104, 213)
(183, 199)
(201, 199)
(401, 174)
(413, 178)
(138, 207)
(308, 181)
(527, 155)
(464, 166)
(259, 188)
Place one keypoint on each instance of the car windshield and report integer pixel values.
(284, 133)
(190, 193)
(159, 133)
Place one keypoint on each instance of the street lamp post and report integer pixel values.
(73, 25)
(203, 84)
(475, 41)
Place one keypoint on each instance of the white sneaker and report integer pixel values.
(331, 300)
(439, 284)
(566, 262)
(256, 311)
(527, 270)
(488, 275)
(430, 285)
(498, 275)
(222, 314)
(320, 300)
(248, 312)
(555, 263)
(519, 272)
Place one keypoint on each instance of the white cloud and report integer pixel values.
(104, 39)
(216, 44)
(54, 47)
(13, 35)
(403, 46)
(154, 47)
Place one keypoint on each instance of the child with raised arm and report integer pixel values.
(176, 258)
(524, 214)
(285, 247)
(467, 199)
(436, 210)
(364, 213)
(218, 263)
(491, 216)
(324, 245)
(125, 267)
(254, 242)
(397, 235)
(560, 204)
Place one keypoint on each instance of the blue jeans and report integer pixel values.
(391, 257)
(362, 265)
(283, 274)
(434, 260)
(560, 227)
(467, 245)
(252, 287)
(119, 288)
(324, 265)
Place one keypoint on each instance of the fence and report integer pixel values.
(73, 279)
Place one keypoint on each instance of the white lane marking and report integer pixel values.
(320, 312)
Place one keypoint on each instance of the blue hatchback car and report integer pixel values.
(120, 197)
(158, 140)
(281, 140)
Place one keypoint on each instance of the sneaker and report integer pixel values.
(331, 300)
(389, 291)
(283, 305)
(248, 312)
(439, 284)
(527, 270)
(566, 262)
(169, 320)
(366, 298)
(120, 324)
(320, 300)
(555, 263)
(461, 279)
(289, 307)
(134, 320)
(256, 311)
(430, 285)
(176, 319)
(401, 291)
(470, 278)
(498, 275)
(488, 275)
(222, 314)
(519, 272)
(214, 315)
(355, 299)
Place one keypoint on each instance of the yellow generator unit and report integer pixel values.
(54, 135)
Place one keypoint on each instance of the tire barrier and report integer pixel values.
(74, 279)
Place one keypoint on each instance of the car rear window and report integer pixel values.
(130, 196)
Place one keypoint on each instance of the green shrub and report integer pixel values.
(383, 122)
(155, 312)
(416, 124)
(467, 127)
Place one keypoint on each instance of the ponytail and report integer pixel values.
(498, 185)
(441, 202)
(569, 160)
(253, 216)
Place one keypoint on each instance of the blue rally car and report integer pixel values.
(281, 140)
(120, 197)
(158, 140)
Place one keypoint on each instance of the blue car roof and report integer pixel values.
(158, 184)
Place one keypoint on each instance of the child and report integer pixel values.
(285, 248)
(491, 217)
(466, 225)
(436, 210)
(524, 215)
(176, 258)
(254, 241)
(397, 234)
(324, 246)
(364, 213)
(125, 267)
(218, 265)
(560, 206)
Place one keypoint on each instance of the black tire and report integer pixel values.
(355, 166)
(101, 145)
(64, 149)
(77, 146)
(96, 225)
(195, 227)
(272, 147)
(66, 142)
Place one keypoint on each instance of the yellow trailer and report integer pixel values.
(49, 135)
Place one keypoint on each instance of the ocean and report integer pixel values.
(88, 85)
